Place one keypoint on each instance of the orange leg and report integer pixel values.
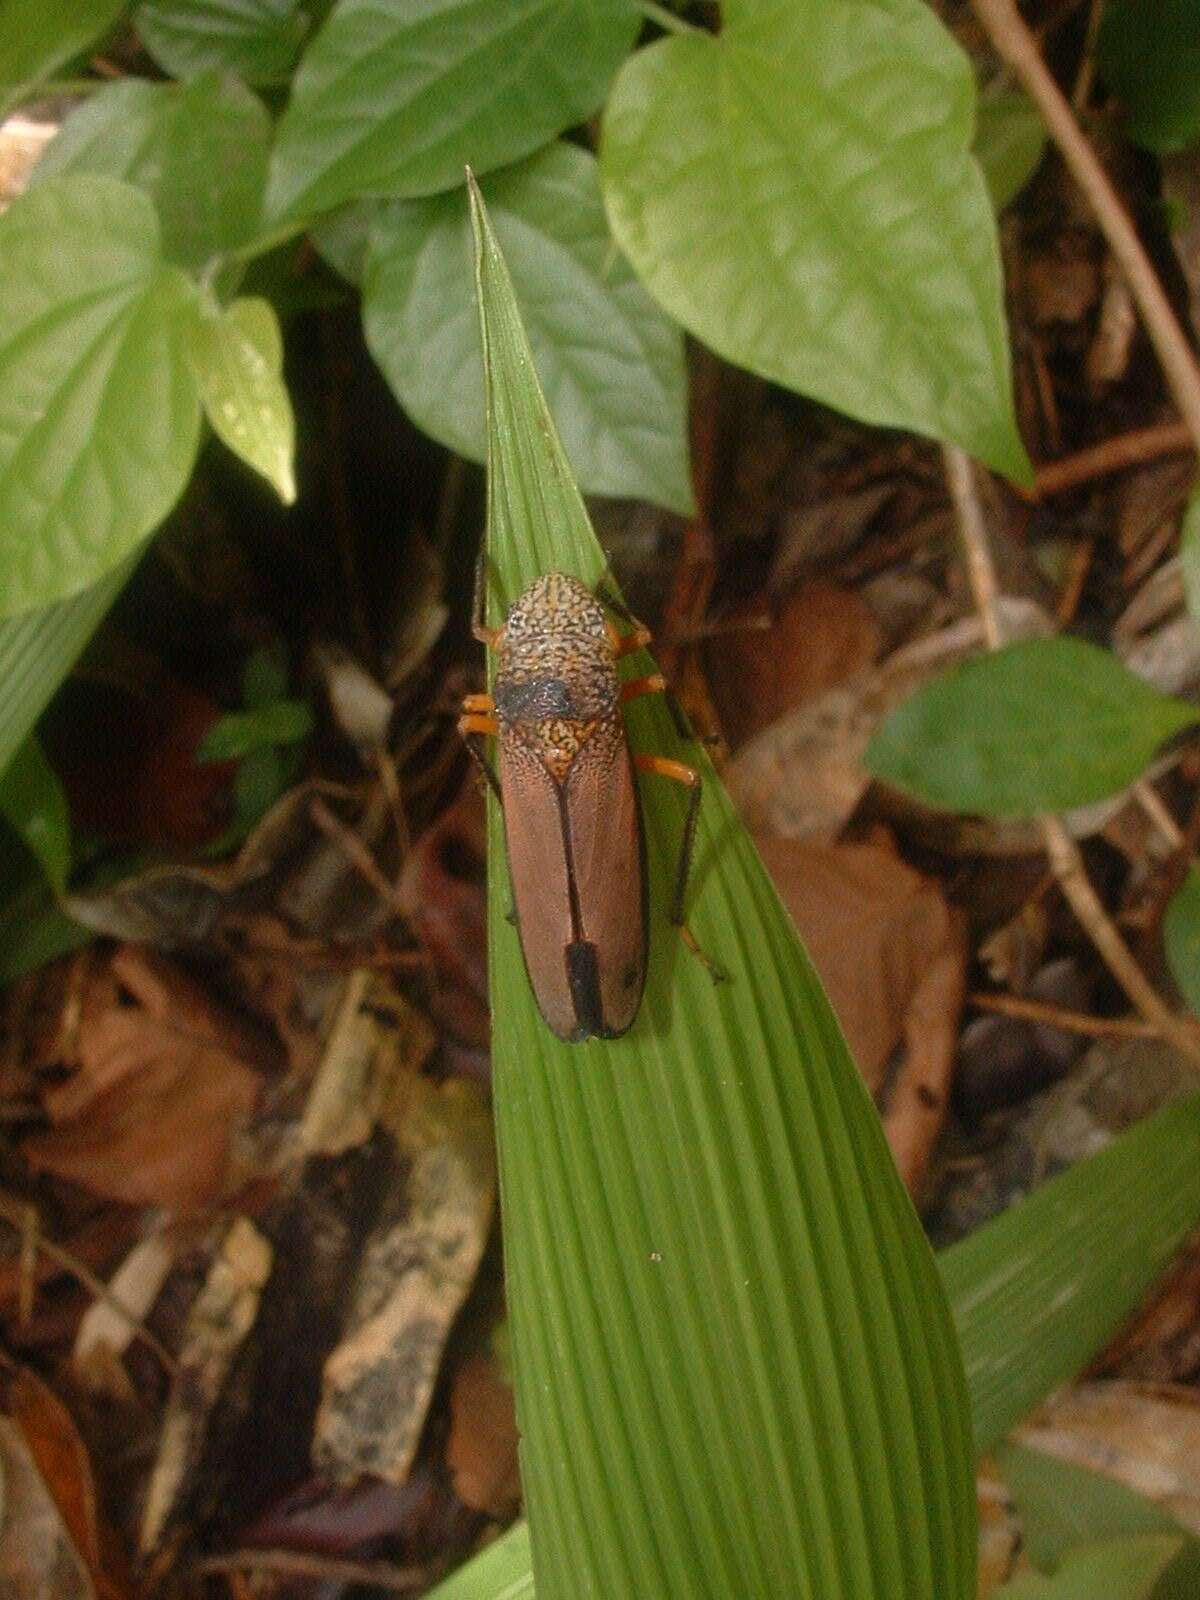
(475, 727)
(678, 772)
(479, 703)
(637, 640)
(655, 683)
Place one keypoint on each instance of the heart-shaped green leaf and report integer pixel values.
(237, 357)
(257, 39)
(610, 362)
(99, 420)
(393, 100)
(799, 192)
(37, 37)
(735, 1370)
(199, 149)
(1043, 725)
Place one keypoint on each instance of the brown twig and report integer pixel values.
(1040, 1011)
(303, 1564)
(1017, 46)
(1082, 556)
(16, 1214)
(1065, 858)
(1114, 455)
(355, 851)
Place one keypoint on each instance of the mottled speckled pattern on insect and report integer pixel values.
(572, 821)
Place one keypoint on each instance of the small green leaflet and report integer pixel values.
(33, 802)
(99, 420)
(1044, 725)
(39, 36)
(610, 362)
(239, 733)
(1181, 934)
(394, 100)
(1119, 1569)
(198, 149)
(259, 40)
(799, 192)
(237, 357)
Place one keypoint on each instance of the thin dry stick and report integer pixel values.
(1017, 46)
(16, 1214)
(1063, 852)
(1113, 455)
(1040, 1011)
(301, 1564)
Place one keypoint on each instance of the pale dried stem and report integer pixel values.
(1062, 851)
(1016, 45)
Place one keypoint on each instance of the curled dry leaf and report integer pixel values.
(145, 1116)
(416, 1268)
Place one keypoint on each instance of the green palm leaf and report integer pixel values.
(735, 1367)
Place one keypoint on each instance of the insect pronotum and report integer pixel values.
(572, 821)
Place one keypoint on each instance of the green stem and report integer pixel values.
(666, 19)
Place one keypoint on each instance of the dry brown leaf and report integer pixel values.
(62, 1462)
(819, 636)
(481, 1450)
(145, 1117)
(37, 1558)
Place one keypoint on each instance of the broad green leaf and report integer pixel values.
(393, 100)
(735, 1370)
(1010, 139)
(342, 237)
(238, 733)
(799, 192)
(610, 362)
(1063, 1505)
(1119, 1569)
(198, 149)
(237, 357)
(99, 420)
(39, 36)
(1189, 554)
(1043, 725)
(1181, 936)
(1152, 61)
(1043, 1287)
(38, 649)
(259, 40)
(1036, 1292)
(33, 802)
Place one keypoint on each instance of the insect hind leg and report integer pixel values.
(679, 773)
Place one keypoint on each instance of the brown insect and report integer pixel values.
(572, 821)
